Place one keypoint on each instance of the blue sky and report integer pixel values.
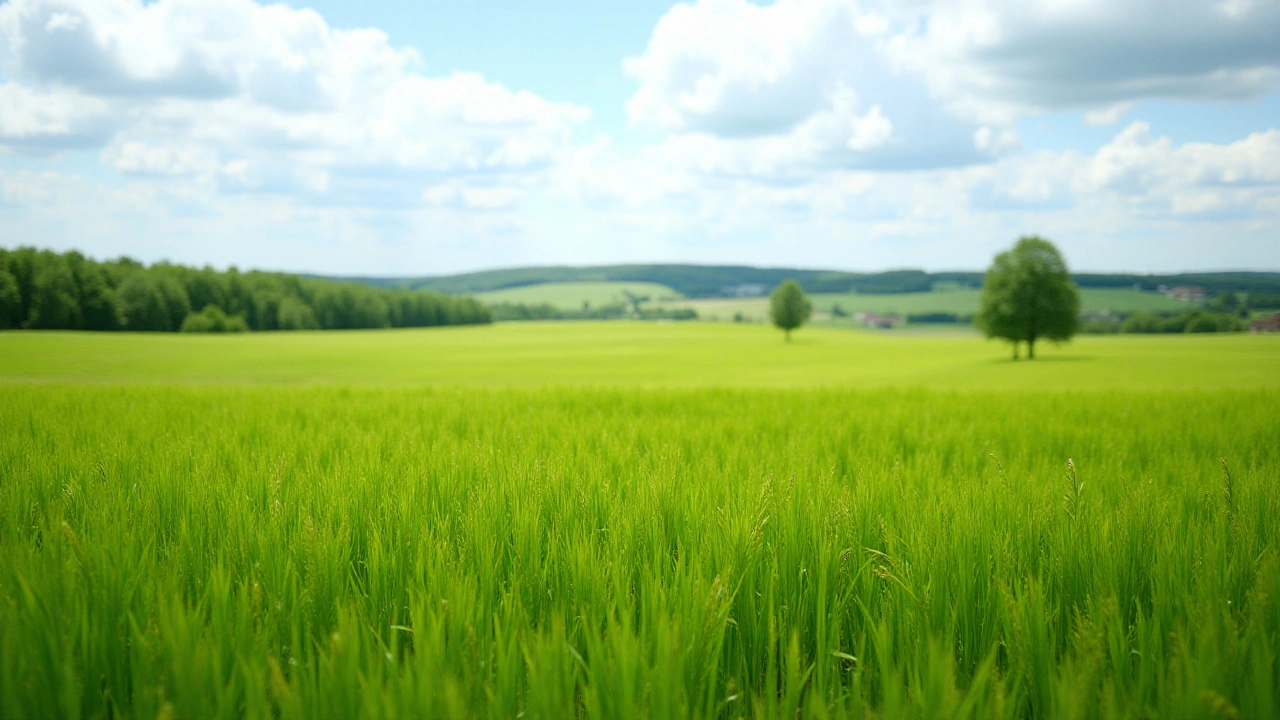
(397, 138)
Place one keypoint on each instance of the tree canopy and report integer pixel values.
(1027, 295)
(788, 307)
(44, 289)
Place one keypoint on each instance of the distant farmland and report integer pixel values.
(957, 302)
(572, 295)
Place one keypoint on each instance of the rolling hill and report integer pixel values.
(723, 281)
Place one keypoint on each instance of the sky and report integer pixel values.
(423, 138)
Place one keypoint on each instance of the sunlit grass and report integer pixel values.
(635, 353)
(638, 530)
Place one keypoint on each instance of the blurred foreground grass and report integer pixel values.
(615, 520)
(553, 553)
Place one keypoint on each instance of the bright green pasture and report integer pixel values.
(955, 301)
(638, 353)
(571, 295)
(275, 552)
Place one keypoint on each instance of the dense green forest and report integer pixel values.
(705, 281)
(41, 289)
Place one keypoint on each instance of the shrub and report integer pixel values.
(213, 320)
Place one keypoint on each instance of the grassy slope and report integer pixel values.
(960, 302)
(570, 296)
(626, 353)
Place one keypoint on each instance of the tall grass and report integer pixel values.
(330, 552)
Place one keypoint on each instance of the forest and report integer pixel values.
(42, 289)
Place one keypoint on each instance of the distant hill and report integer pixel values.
(708, 281)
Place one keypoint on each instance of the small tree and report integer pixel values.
(788, 307)
(1027, 295)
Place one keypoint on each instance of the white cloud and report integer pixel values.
(1136, 163)
(996, 59)
(736, 68)
(856, 134)
(791, 86)
(52, 119)
(733, 68)
(261, 97)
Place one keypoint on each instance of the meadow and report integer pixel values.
(648, 354)
(618, 520)
(572, 295)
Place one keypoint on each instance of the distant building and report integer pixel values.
(1187, 293)
(874, 320)
(1268, 324)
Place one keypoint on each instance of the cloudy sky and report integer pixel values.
(413, 138)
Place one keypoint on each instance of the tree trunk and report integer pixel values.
(1015, 349)
(1031, 349)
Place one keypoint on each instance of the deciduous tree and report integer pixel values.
(1027, 295)
(788, 307)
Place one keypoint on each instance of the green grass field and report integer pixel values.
(955, 301)
(640, 353)
(637, 520)
(571, 296)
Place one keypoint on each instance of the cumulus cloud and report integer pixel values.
(56, 119)
(949, 78)
(257, 98)
(846, 133)
(1141, 174)
(796, 84)
(996, 59)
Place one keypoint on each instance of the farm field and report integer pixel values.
(609, 520)
(571, 295)
(955, 301)
(640, 353)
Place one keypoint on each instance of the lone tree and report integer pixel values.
(788, 306)
(1028, 295)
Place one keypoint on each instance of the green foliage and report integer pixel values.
(213, 320)
(788, 307)
(938, 318)
(293, 314)
(53, 295)
(10, 301)
(42, 289)
(144, 306)
(95, 297)
(1027, 295)
(1264, 300)
(274, 552)
(1191, 320)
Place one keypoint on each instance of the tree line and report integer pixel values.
(42, 289)
(701, 281)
